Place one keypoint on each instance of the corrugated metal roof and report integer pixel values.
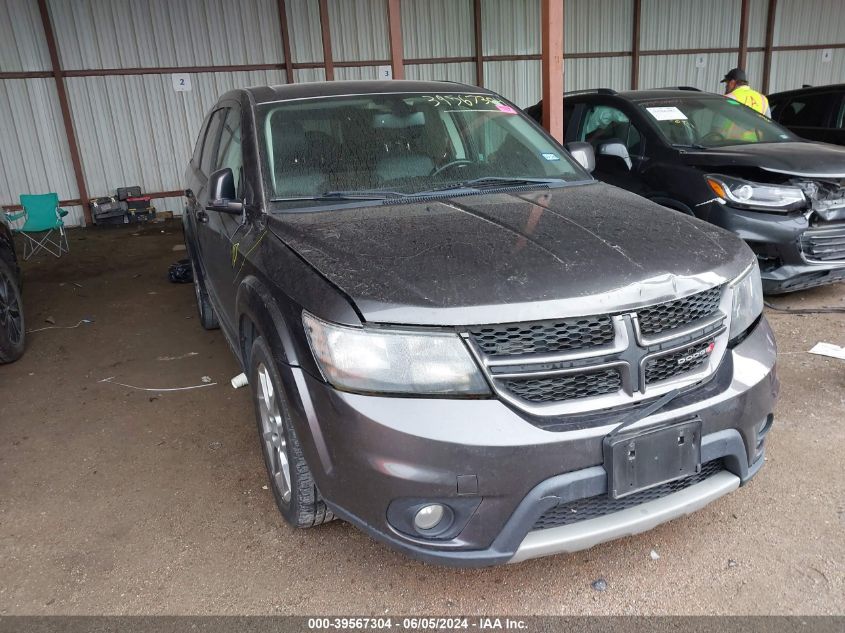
(518, 81)
(668, 24)
(304, 29)
(801, 22)
(35, 156)
(22, 43)
(93, 34)
(792, 69)
(659, 71)
(510, 27)
(438, 28)
(359, 30)
(136, 130)
(592, 26)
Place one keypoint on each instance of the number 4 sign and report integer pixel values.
(181, 82)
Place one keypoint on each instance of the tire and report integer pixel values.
(208, 318)
(291, 481)
(12, 324)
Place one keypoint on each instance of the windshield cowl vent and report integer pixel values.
(462, 194)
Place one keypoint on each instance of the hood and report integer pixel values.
(813, 160)
(497, 258)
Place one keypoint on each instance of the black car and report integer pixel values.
(708, 156)
(12, 331)
(458, 340)
(816, 113)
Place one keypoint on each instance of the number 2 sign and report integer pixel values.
(181, 82)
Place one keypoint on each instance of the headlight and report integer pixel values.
(747, 300)
(391, 361)
(754, 195)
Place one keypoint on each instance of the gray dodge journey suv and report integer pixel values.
(456, 339)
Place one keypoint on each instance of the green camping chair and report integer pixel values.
(43, 218)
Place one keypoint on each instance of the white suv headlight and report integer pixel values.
(747, 292)
(391, 361)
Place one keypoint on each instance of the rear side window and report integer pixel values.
(807, 111)
(209, 149)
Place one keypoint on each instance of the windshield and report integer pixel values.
(712, 122)
(388, 145)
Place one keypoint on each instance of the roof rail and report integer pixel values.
(599, 91)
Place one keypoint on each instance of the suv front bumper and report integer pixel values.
(776, 240)
(501, 472)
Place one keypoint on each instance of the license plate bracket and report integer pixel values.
(636, 461)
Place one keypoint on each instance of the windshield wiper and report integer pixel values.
(360, 194)
(493, 181)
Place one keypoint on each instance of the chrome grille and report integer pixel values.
(673, 314)
(567, 386)
(577, 365)
(544, 337)
(824, 244)
(602, 505)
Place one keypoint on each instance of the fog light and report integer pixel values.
(428, 517)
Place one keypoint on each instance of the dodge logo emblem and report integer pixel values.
(683, 360)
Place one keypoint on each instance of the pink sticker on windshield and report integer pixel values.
(501, 107)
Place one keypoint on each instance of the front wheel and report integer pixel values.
(291, 481)
(12, 332)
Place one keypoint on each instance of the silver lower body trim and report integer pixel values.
(586, 534)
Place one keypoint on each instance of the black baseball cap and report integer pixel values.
(737, 74)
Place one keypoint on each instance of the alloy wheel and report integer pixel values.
(273, 434)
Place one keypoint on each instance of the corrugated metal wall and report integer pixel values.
(597, 26)
(22, 43)
(797, 24)
(34, 154)
(135, 129)
(359, 30)
(437, 28)
(305, 37)
(512, 27)
(95, 34)
(689, 24)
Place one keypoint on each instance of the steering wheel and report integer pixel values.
(458, 162)
(713, 137)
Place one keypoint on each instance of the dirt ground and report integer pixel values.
(119, 501)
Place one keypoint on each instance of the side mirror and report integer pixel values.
(617, 149)
(221, 193)
(583, 154)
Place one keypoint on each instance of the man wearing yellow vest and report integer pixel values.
(737, 88)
